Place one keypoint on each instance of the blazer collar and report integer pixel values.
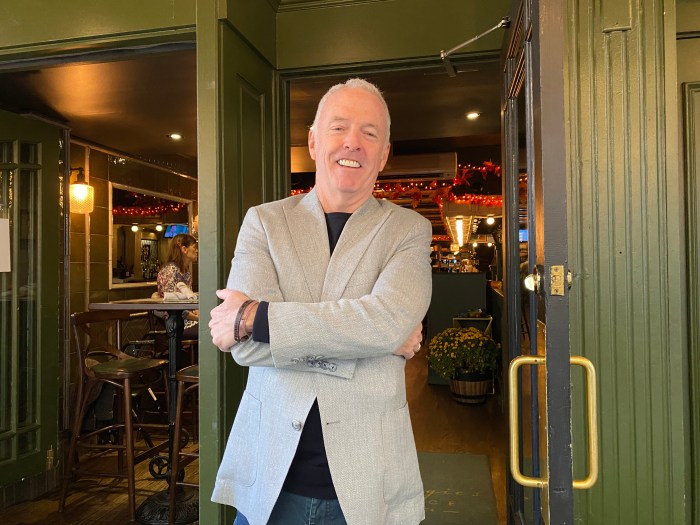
(356, 238)
(307, 227)
(326, 276)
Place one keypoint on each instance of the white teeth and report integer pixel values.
(349, 163)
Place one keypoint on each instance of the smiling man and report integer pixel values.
(323, 304)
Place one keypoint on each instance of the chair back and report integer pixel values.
(97, 335)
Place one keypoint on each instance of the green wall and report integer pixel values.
(626, 237)
(380, 31)
(43, 25)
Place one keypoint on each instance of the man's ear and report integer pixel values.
(312, 144)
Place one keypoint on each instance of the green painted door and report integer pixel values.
(236, 171)
(540, 485)
(29, 298)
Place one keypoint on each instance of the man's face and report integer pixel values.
(350, 146)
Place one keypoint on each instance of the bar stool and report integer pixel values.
(101, 363)
(187, 382)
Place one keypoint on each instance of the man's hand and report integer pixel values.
(224, 316)
(411, 345)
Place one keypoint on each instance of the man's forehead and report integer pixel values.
(343, 119)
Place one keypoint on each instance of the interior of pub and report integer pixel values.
(133, 130)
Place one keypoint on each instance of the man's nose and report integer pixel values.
(352, 140)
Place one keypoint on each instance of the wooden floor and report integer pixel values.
(442, 425)
(439, 424)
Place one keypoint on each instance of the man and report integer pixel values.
(322, 434)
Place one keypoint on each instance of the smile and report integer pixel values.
(349, 163)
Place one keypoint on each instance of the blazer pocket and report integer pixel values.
(402, 480)
(243, 442)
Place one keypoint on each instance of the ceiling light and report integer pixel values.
(473, 115)
(490, 220)
(460, 232)
(134, 228)
(175, 136)
(159, 227)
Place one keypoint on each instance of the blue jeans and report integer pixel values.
(292, 509)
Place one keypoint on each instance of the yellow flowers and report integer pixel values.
(462, 350)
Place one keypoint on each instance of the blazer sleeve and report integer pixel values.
(253, 273)
(373, 325)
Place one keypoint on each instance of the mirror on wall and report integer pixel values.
(142, 224)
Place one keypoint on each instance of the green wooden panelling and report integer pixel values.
(627, 301)
(378, 31)
(28, 22)
(687, 16)
(236, 171)
(256, 21)
(691, 134)
(616, 15)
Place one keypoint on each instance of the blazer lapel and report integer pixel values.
(357, 235)
(307, 226)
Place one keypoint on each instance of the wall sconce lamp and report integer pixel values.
(82, 195)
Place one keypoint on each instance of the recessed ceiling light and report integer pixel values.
(175, 136)
(473, 115)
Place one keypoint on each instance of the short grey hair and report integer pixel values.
(356, 83)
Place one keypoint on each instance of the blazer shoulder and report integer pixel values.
(274, 210)
(407, 216)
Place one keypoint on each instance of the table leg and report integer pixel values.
(174, 326)
(154, 511)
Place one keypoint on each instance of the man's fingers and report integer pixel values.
(223, 294)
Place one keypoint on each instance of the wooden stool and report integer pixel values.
(101, 363)
(187, 382)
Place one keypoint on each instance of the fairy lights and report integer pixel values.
(148, 211)
(463, 189)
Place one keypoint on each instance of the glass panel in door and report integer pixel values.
(29, 307)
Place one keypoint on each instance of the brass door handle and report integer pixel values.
(592, 415)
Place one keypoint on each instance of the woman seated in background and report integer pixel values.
(177, 269)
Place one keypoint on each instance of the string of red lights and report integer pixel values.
(147, 211)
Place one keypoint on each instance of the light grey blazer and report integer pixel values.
(334, 323)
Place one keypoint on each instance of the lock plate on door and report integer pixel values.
(556, 280)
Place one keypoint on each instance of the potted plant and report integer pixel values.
(467, 358)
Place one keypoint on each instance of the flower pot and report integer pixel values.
(470, 388)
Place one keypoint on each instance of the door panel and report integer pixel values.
(29, 300)
(535, 197)
(236, 170)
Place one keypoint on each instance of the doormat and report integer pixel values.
(458, 489)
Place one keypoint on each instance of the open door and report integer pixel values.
(29, 298)
(540, 484)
